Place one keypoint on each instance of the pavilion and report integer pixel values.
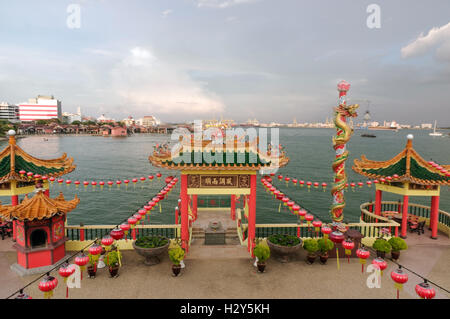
(218, 169)
(407, 174)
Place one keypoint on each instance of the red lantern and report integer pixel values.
(369, 183)
(68, 182)
(309, 185)
(280, 177)
(348, 246)
(94, 183)
(107, 241)
(158, 175)
(337, 237)
(125, 227)
(316, 185)
(101, 184)
(95, 250)
(132, 221)
(22, 173)
(51, 179)
(362, 254)
(309, 218)
(118, 183)
(425, 291)
(85, 184)
(360, 184)
(116, 233)
(380, 263)
(47, 285)
(317, 224)
(352, 185)
(302, 214)
(81, 260)
(168, 179)
(287, 179)
(150, 177)
(110, 184)
(294, 181)
(326, 231)
(23, 295)
(134, 180)
(142, 179)
(290, 204)
(60, 181)
(399, 277)
(301, 183)
(65, 271)
(324, 186)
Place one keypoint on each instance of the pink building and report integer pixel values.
(118, 131)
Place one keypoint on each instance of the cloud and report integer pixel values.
(437, 38)
(166, 13)
(222, 3)
(150, 85)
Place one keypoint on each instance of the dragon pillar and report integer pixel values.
(343, 135)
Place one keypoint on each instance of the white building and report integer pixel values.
(426, 126)
(9, 112)
(129, 121)
(104, 119)
(40, 108)
(148, 121)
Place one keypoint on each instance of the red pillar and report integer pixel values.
(176, 216)
(47, 192)
(378, 197)
(184, 213)
(14, 200)
(194, 206)
(233, 207)
(404, 216)
(252, 214)
(434, 216)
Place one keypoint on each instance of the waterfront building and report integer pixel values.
(426, 126)
(9, 112)
(72, 117)
(148, 121)
(40, 108)
(104, 119)
(129, 121)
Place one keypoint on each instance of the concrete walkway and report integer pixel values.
(227, 272)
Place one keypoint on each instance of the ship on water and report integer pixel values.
(434, 133)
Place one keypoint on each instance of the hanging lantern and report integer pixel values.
(81, 260)
(389, 179)
(294, 181)
(95, 250)
(68, 182)
(362, 254)
(290, 204)
(101, 183)
(382, 180)
(150, 177)
(47, 285)
(380, 263)
(287, 179)
(360, 184)
(346, 187)
(36, 177)
(51, 179)
(302, 214)
(301, 183)
(142, 179)
(348, 245)
(285, 200)
(44, 178)
(168, 179)
(60, 181)
(77, 183)
(30, 175)
(316, 185)
(395, 176)
(110, 184)
(324, 186)
(309, 218)
(85, 184)
(317, 224)
(65, 271)
(116, 233)
(126, 181)
(369, 183)
(142, 213)
(280, 177)
(399, 277)
(337, 237)
(425, 291)
(309, 185)
(22, 295)
(134, 180)
(118, 183)
(125, 227)
(352, 185)
(107, 241)
(22, 173)
(132, 221)
(158, 175)
(326, 231)
(94, 184)
(375, 181)
(295, 209)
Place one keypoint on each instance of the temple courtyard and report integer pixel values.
(227, 271)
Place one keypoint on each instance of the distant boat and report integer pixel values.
(368, 135)
(434, 131)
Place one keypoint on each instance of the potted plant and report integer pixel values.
(92, 267)
(112, 260)
(397, 244)
(325, 245)
(284, 245)
(312, 247)
(176, 255)
(262, 252)
(151, 247)
(382, 247)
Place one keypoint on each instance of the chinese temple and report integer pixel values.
(209, 168)
(19, 171)
(407, 174)
(39, 224)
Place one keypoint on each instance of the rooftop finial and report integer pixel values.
(410, 137)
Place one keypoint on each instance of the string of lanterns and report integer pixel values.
(48, 283)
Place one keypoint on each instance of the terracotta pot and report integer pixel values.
(381, 254)
(310, 258)
(395, 255)
(261, 266)
(323, 258)
(176, 269)
(113, 271)
(92, 270)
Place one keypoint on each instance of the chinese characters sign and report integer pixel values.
(218, 181)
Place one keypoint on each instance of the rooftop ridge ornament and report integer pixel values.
(343, 135)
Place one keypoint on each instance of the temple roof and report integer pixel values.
(208, 156)
(39, 207)
(13, 159)
(408, 165)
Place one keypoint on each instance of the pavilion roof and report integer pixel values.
(408, 165)
(13, 159)
(243, 156)
(39, 207)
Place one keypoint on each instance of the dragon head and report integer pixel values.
(350, 110)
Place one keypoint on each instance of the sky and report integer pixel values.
(273, 60)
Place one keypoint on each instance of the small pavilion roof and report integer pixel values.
(39, 207)
(243, 156)
(13, 159)
(408, 165)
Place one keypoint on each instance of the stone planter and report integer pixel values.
(284, 252)
(151, 254)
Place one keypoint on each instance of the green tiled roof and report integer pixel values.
(228, 159)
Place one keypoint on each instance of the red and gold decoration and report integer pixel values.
(107, 241)
(362, 254)
(425, 291)
(65, 271)
(47, 285)
(337, 237)
(399, 277)
(81, 260)
(348, 245)
(380, 263)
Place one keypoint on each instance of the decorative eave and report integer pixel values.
(408, 165)
(39, 207)
(13, 159)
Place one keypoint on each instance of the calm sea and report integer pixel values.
(310, 151)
